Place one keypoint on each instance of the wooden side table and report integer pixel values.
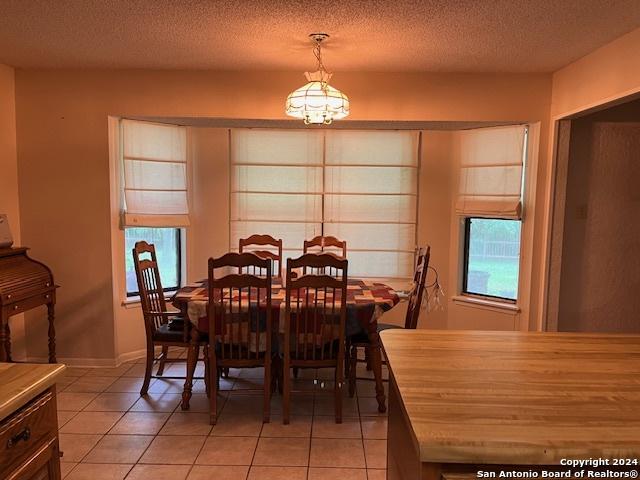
(24, 284)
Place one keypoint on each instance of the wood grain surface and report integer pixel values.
(518, 398)
(21, 382)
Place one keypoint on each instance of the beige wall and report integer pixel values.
(64, 158)
(8, 155)
(606, 76)
(608, 73)
(434, 210)
(9, 203)
(209, 232)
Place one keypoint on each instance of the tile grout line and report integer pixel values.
(137, 462)
(314, 402)
(364, 448)
(313, 415)
(255, 450)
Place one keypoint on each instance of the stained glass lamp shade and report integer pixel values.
(317, 102)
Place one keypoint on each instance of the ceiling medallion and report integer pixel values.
(317, 102)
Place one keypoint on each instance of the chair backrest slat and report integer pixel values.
(274, 254)
(315, 309)
(419, 280)
(234, 301)
(149, 285)
(328, 244)
(319, 244)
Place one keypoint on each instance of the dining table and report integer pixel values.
(366, 301)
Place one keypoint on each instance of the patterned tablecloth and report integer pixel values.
(366, 301)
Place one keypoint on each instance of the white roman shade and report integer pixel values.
(359, 186)
(491, 171)
(154, 175)
(371, 190)
(276, 186)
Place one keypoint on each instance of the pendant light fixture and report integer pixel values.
(317, 102)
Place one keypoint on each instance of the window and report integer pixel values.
(168, 252)
(154, 191)
(359, 186)
(492, 166)
(492, 257)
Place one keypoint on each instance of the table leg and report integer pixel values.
(376, 365)
(192, 359)
(7, 342)
(3, 336)
(52, 333)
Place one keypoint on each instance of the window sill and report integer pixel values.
(503, 307)
(131, 302)
(134, 302)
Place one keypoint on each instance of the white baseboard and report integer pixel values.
(94, 362)
(77, 361)
(135, 355)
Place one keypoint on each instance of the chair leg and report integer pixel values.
(192, 359)
(280, 377)
(275, 367)
(267, 389)
(347, 358)
(353, 359)
(148, 369)
(286, 391)
(367, 357)
(163, 360)
(339, 380)
(376, 364)
(214, 373)
(206, 361)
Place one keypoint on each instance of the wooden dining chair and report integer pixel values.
(256, 244)
(320, 244)
(163, 328)
(414, 300)
(314, 323)
(240, 325)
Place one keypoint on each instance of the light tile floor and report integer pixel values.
(109, 432)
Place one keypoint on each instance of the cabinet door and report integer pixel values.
(42, 474)
(44, 463)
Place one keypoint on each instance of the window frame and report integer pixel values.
(465, 263)
(179, 263)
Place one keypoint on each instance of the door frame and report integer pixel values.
(557, 190)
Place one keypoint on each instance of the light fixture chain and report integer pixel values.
(317, 102)
(317, 51)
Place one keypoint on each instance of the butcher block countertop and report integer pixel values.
(517, 398)
(22, 382)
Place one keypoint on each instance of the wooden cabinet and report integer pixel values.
(29, 448)
(469, 401)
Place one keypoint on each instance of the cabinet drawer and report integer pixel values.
(26, 430)
(28, 303)
(43, 464)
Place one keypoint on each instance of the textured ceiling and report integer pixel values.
(366, 35)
